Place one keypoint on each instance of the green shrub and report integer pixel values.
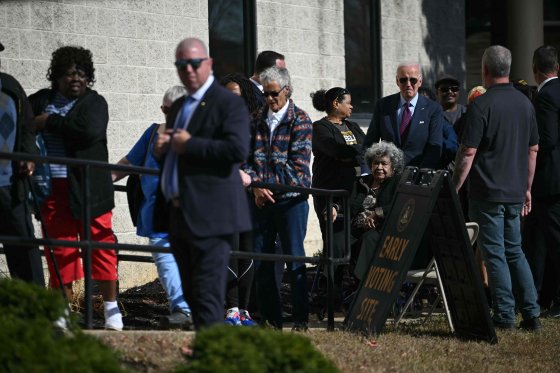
(238, 349)
(31, 343)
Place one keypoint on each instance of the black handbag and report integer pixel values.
(134, 194)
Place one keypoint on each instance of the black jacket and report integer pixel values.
(84, 131)
(335, 162)
(211, 195)
(25, 135)
(547, 110)
(384, 197)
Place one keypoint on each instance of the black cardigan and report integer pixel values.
(84, 131)
(384, 197)
(335, 162)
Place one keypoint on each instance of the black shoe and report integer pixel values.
(177, 320)
(300, 327)
(533, 324)
(553, 313)
(504, 325)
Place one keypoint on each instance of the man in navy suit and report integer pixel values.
(409, 120)
(546, 186)
(206, 139)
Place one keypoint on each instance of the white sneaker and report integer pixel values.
(62, 322)
(113, 319)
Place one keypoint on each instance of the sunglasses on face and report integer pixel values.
(194, 62)
(403, 80)
(273, 93)
(445, 88)
(165, 109)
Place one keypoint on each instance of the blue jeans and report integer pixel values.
(288, 220)
(169, 277)
(508, 270)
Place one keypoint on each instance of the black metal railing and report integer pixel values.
(86, 244)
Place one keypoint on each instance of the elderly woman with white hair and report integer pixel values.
(371, 199)
(281, 155)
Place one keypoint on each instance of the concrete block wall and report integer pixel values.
(311, 36)
(429, 32)
(132, 42)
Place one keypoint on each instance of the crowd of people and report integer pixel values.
(220, 137)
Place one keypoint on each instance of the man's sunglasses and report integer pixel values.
(445, 88)
(403, 80)
(273, 93)
(194, 62)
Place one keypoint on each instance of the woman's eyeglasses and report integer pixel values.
(194, 62)
(403, 80)
(273, 93)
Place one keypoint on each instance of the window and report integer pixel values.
(363, 53)
(232, 28)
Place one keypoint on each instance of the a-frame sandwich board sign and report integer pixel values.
(424, 203)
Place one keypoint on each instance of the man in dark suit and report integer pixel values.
(546, 186)
(409, 120)
(206, 139)
(265, 59)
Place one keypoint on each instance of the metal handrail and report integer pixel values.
(87, 244)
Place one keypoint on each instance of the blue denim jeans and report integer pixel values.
(507, 267)
(288, 220)
(169, 277)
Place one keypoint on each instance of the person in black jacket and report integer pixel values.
(371, 200)
(74, 121)
(24, 262)
(545, 217)
(337, 147)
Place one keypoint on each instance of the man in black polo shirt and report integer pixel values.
(498, 152)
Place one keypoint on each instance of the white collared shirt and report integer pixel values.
(274, 119)
(259, 85)
(546, 81)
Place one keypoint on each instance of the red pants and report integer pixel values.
(61, 225)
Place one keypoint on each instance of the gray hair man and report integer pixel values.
(409, 120)
(498, 152)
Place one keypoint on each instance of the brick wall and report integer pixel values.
(133, 45)
(311, 36)
(429, 32)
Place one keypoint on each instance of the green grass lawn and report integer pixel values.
(412, 348)
(431, 348)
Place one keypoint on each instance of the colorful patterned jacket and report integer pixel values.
(286, 159)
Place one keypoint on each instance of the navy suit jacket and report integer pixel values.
(425, 135)
(211, 194)
(547, 110)
(259, 96)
